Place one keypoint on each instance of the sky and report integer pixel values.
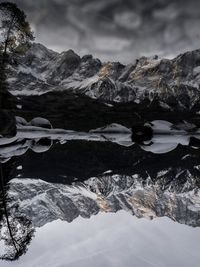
(116, 30)
(114, 240)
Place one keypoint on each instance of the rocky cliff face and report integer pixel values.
(170, 84)
(43, 202)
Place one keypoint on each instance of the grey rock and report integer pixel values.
(171, 84)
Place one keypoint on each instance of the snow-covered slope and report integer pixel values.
(43, 202)
(174, 84)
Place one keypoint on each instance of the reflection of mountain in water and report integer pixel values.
(142, 183)
(73, 177)
(44, 202)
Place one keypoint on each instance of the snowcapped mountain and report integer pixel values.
(171, 84)
(43, 202)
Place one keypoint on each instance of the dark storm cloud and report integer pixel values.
(116, 29)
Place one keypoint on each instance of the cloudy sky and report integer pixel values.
(116, 29)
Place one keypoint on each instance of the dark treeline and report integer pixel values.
(7, 104)
(16, 36)
(15, 39)
(16, 231)
(7, 101)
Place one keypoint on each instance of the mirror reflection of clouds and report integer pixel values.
(113, 240)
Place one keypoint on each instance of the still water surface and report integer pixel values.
(100, 200)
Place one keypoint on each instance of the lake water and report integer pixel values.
(99, 199)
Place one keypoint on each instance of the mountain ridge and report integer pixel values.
(172, 84)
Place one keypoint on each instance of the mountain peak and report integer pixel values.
(170, 84)
(40, 51)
